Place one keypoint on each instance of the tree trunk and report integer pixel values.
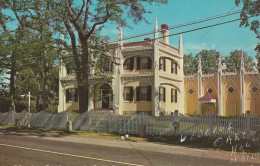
(12, 86)
(83, 80)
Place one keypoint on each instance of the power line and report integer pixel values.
(181, 25)
(173, 27)
(209, 29)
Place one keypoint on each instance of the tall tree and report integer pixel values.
(189, 64)
(251, 8)
(233, 62)
(31, 41)
(83, 21)
(209, 61)
(258, 61)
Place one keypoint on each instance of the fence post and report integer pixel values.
(210, 124)
(247, 124)
(176, 122)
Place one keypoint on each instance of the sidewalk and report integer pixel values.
(143, 146)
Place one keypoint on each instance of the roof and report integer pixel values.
(207, 98)
(144, 43)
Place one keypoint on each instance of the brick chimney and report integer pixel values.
(165, 33)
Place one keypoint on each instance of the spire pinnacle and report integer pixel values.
(242, 67)
(120, 37)
(199, 66)
(219, 64)
(156, 31)
(180, 44)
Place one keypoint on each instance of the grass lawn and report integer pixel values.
(200, 142)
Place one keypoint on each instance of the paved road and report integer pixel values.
(27, 151)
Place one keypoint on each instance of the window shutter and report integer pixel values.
(138, 93)
(164, 64)
(67, 95)
(149, 63)
(160, 99)
(149, 92)
(132, 63)
(172, 94)
(76, 95)
(172, 67)
(131, 93)
(164, 95)
(176, 95)
(138, 63)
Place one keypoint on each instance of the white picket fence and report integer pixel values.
(244, 125)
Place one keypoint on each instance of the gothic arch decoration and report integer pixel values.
(251, 82)
(125, 82)
(207, 86)
(231, 99)
(253, 97)
(231, 80)
(191, 98)
(175, 86)
(102, 96)
(93, 83)
(144, 54)
(171, 59)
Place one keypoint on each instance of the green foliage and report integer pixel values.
(233, 62)
(251, 8)
(189, 65)
(258, 61)
(28, 51)
(209, 61)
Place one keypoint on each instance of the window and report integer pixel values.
(231, 90)
(70, 70)
(255, 89)
(162, 64)
(129, 64)
(191, 91)
(162, 96)
(72, 95)
(174, 93)
(144, 63)
(106, 67)
(174, 67)
(210, 90)
(143, 93)
(128, 93)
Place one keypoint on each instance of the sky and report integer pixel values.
(224, 38)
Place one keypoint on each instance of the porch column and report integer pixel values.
(199, 86)
(62, 93)
(90, 101)
(220, 110)
(242, 84)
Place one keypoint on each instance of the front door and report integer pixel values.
(105, 98)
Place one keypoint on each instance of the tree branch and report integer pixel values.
(81, 10)
(15, 12)
(70, 17)
(86, 15)
(98, 23)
